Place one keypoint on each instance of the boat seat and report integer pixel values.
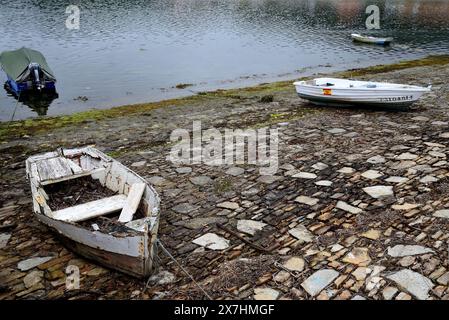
(91, 209)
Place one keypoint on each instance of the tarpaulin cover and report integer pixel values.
(15, 63)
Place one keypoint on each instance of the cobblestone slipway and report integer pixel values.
(359, 208)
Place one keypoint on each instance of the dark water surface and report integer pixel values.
(139, 50)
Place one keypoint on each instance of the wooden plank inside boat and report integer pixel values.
(132, 202)
(91, 209)
(53, 169)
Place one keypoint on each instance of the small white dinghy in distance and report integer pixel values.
(341, 92)
(119, 230)
(371, 40)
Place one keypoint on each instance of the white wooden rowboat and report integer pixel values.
(340, 92)
(371, 40)
(128, 242)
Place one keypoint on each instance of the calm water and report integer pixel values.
(139, 50)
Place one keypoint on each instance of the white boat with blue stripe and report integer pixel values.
(341, 92)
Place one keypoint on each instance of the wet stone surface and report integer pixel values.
(366, 217)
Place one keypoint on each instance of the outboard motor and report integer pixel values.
(35, 71)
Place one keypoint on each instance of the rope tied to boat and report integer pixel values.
(158, 241)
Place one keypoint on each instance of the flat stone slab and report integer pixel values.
(305, 175)
(358, 256)
(198, 223)
(269, 179)
(235, 171)
(428, 179)
(379, 191)
(307, 200)
(138, 164)
(372, 174)
(442, 213)
(336, 130)
(295, 264)
(301, 233)
(32, 263)
(348, 208)
(157, 181)
(413, 282)
(201, 180)
(324, 183)
(402, 165)
(319, 281)
(228, 205)
(396, 179)
(33, 278)
(408, 250)
(250, 226)
(405, 206)
(444, 135)
(183, 170)
(162, 277)
(320, 166)
(184, 208)
(4, 238)
(212, 241)
(346, 170)
(265, 294)
(406, 156)
(376, 159)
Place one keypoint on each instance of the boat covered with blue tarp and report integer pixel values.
(27, 70)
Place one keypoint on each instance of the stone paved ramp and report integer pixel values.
(359, 208)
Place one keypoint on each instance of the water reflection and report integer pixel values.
(36, 102)
(139, 50)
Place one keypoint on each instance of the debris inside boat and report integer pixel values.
(100, 208)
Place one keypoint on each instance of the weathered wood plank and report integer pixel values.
(91, 209)
(132, 202)
(73, 166)
(53, 168)
(73, 176)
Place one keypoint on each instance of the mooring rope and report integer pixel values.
(15, 108)
(182, 268)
